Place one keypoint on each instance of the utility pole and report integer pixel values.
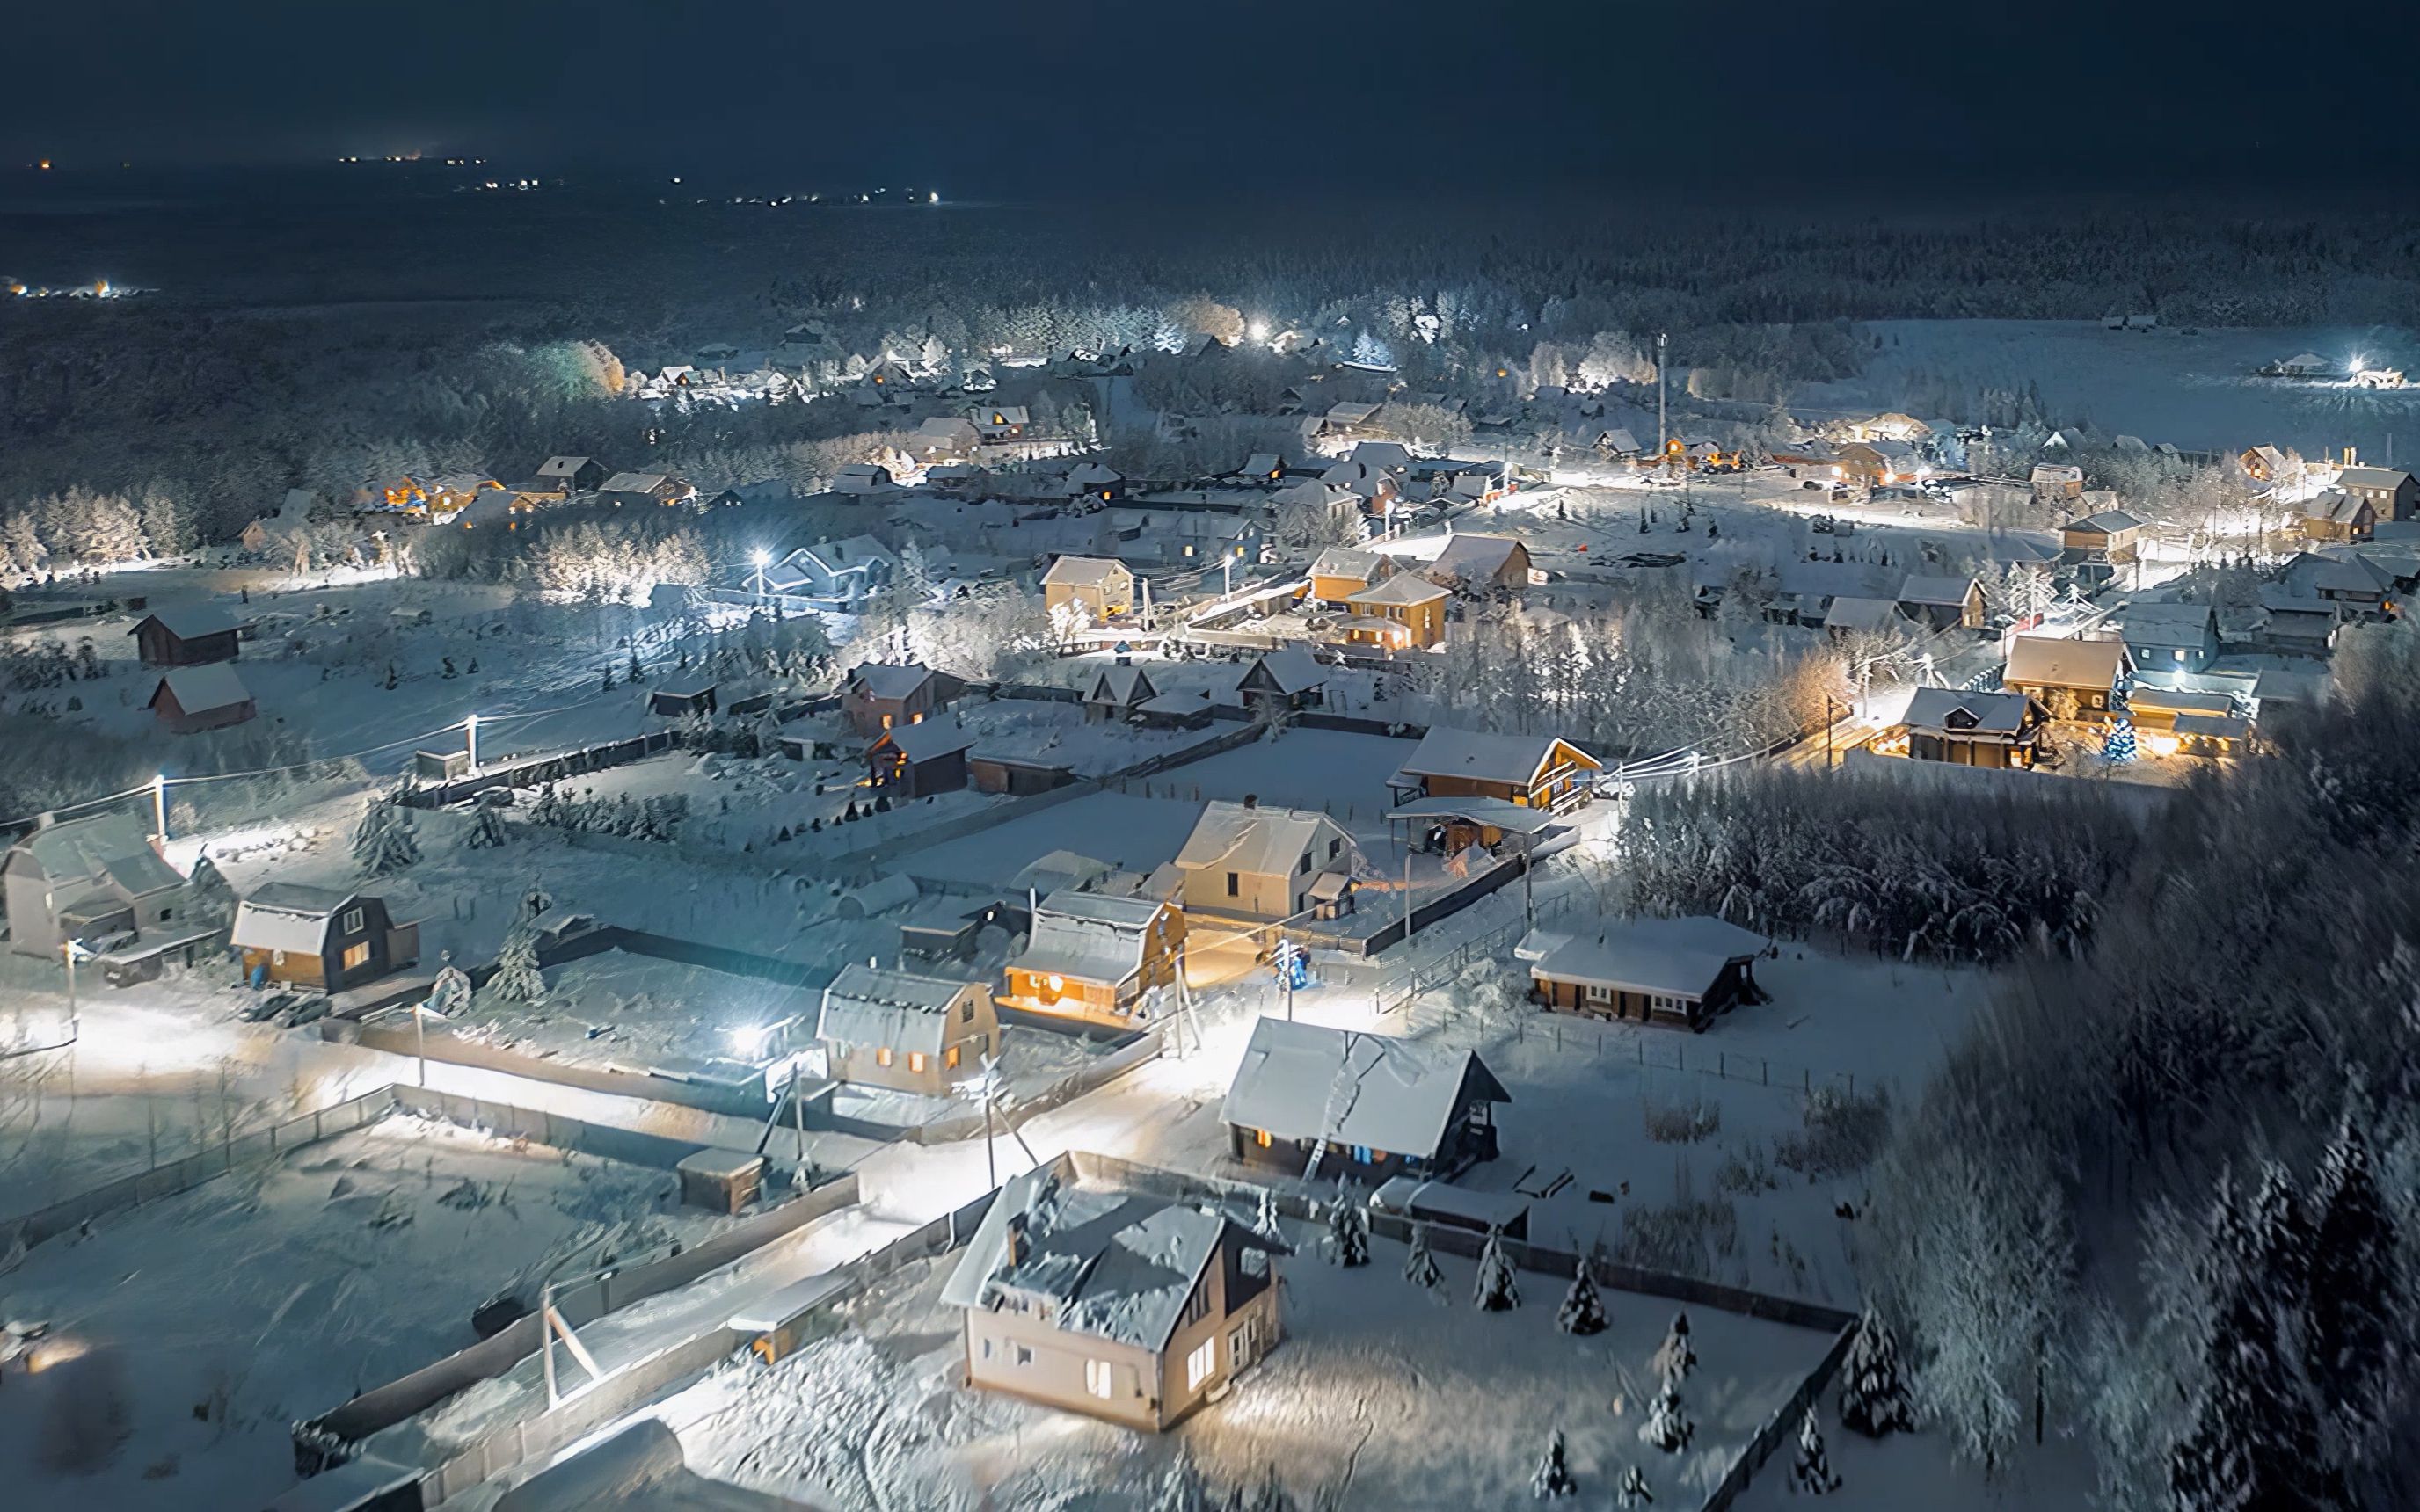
(1827, 732)
(1663, 430)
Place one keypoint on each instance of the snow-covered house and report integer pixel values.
(2358, 586)
(2056, 481)
(1618, 443)
(862, 478)
(1093, 956)
(2295, 624)
(944, 438)
(2087, 676)
(1342, 571)
(1852, 615)
(191, 699)
(1533, 771)
(1327, 1101)
(1480, 565)
(1288, 678)
(2170, 637)
(646, 489)
(1684, 969)
(837, 573)
(2300, 365)
(2107, 537)
(186, 636)
(2332, 514)
(1245, 861)
(2391, 493)
(301, 937)
(564, 476)
(1095, 482)
(1406, 612)
(904, 1032)
(877, 696)
(1880, 463)
(998, 424)
(1805, 591)
(1384, 457)
(1262, 468)
(1943, 601)
(1331, 506)
(916, 761)
(1102, 587)
(86, 879)
(1969, 728)
(273, 534)
(1126, 1307)
(1116, 692)
(2265, 463)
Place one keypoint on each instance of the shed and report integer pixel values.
(682, 699)
(1689, 969)
(210, 696)
(992, 771)
(319, 938)
(186, 637)
(721, 1180)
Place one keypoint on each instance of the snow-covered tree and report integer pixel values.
(1348, 1227)
(2351, 1323)
(518, 979)
(1812, 1472)
(1497, 1289)
(1265, 1215)
(1874, 1395)
(450, 992)
(2253, 1440)
(1180, 1490)
(207, 888)
(1632, 1491)
(383, 842)
(1420, 1262)
(1675, 1357)
(1668, 1426)
(1552, 1479)
(1583, 1310)
(488, 827)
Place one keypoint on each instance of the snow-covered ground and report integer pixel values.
(1383, 1395)
(190, 1334)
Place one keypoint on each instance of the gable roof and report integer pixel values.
(2166, 625)
(1471, 558)
(923, 741)
(1258, 840)
(189, 622)
(81, 854)
(1093, 936)
(647, 483)
(2052, 661)
(1675, 957)
(1486, 757)
(1947, 590)
(563, 466)
(1084, 572)
(1093, 475)
(200, 688)
(1349, 562)
(1849, 613)
(2367, 477)
(1119, 1265)
(865, 1005)
(887, 681)
(1122, 686)
(1987, 713)
(1403, 588)
(2107, 522)
(287, 915)
(1305, 1081)
(1289, 669)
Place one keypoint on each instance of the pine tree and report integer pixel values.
(1633, 1491)
(1498, 1291)
(638, 672)
(383, 843)
(2118, 747)
(1812, 1474)
(1874, 1401)
(1180, 1489)
(487, 830)
(2253, 1439)
(1348, 1227)
(1553, 1477)
(1583, 1310)
(1419, 1264)
(518, 979)
(211, 898)
(2349, 1325)
(1668, 1426)
(1675, 1358)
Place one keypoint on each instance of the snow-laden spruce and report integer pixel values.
(1675, 1357)
(2352, 1323)
(1419, 1261)
(1348, 1227)
(1497, 1289)
(1812, 1472)
(1553, 1477)
(518, 979)
(1873, 1391)
(1180, 1490)
(1583, 1310)
(1668, 1426)
(1634, 1491)
(384, 842)
(487, 828)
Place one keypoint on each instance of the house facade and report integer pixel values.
(1677, 970)
(917, 761)
(2084, 675)
(1403, 613)
(1248, 863)
(1094, 957)
(1943, 602)
(186, 637)
(86, 879)
(2109, 538)
(1534, 771)
(1316, 1101)
(879, 696)
(188, 700)
(1975, 728)
(904, 1032)
(1102, 587)
(300, 936)
(2391, 493)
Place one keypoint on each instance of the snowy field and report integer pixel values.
(2198, 392)
(1382, 1395)
(190, 1334)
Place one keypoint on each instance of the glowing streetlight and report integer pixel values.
(160, 805)
(470, 738)
(762, 558)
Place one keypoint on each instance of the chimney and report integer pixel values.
(1251, 800)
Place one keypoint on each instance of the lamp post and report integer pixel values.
(160, 805)
(470, 738)
(763, 559)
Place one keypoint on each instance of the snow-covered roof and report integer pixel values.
(1404, 588)
(1118, 1265)
(868, 1006)
(1486, 757)
(190, 621)
(1473, 558)
(2336, 505)
(1003, 414)
(1060, 870)
(562, 467)
(1289, 671)
(1093, 475)
(1852, 613)
(1618, 440)
(1124, 686)
(1966, 712)
(1180, 703)
(926, 740)
(2363, 477)
(1084, 572)
(1351, 414)
(1673, 957)
(2174, 701)
(2218, 726)
(1499, 813)
(1388, 456)
(647, 483)
(1944, 589)
(1093, 936)
(109, 849)
(200, 688)
(286, 915)
(1831, 579)
(2107, 522)
(2051, 661)
(1305, 1081)
(1260, 841)
(1317, 493)
(888, 681)
(2351, 573)
(1264, 464)
(2166, 626)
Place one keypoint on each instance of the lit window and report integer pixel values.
(882, 1055)
(1057, 984)
(1198, 1364)
(357, 956)
(949, 1058)
(1262, 1138)
(916, 1060)
(1096, 1378)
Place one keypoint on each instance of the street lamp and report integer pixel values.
(160, 805)
(763, 559)
(470, 736)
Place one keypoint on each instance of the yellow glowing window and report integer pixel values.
(882, 1055)
(916, 1060)
(1262, 1138)
(357, 956)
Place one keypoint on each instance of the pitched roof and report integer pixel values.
(887, 681)
(1486, 757)
(1849, 613)
(1060, 870)
(199, 688)
(1289, 671)
(2052, 661)
(1257, 839)
(2336, 505)
(2166, 625)
(84, 853)
(1966, 711)
(1120, 1266)
(287, 915)
(647, 483)
(1093, 475)
(2372, 478)
(1404, 588)
(2311, 572)
(1678, 957)
(1122, 686)
(1948, 590)
(1349, 561)
(190, 621)
(926, 740)
(1085, 571)
(1304, 1081)
(1092, 936)
(865, 1005)
(2107, 522)
(1472, 558)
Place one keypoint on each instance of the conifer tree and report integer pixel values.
(1873, 1397)
(1497, 1290)
(1812, 1473)
(1668, 1426)
(1583, 1310)
(1419, 1263)
(1552, 1479)
(1675, 1358)
(1632, 1491)
(518, 979)
(2355, 1295)
(1348, 1227)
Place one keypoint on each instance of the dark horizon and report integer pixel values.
(1069, 99)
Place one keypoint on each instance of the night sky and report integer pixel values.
(1073, 98)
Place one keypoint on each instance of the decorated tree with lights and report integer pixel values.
(1552, 1479)
(2119, 746)
(1583, 1311)
(1497, 1290)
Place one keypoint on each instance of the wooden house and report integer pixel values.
(1288, 679)
(904, 1032)
(2360, 586)
(2057, 481)
(1943, 602)
(300, 936)
(2084, 675)
(646, 489)
(863, 478)
(2390, 492)
(1130, 1308)
(1480, 564)
(564, 476)
(1533, 771)
(1102, 587)
(1092, 956)
(2335, 516)
(916, 761)
(1975, 728)
(192, 699)
(1683, 970)
(1095, 483)
(86, 879)
(1116, 693)
(1850, 615)
(2296, 623)
(2170, 637)
(2266, 464)
(188, 637)
(2111, 537)
(1340, 571)
(1879, 463)
(879, 696)
(1406, 612)
(2156, 709)
(1329, 1102)
(999, 423)
(680, 700)
(992, 771)
(1245, 861)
